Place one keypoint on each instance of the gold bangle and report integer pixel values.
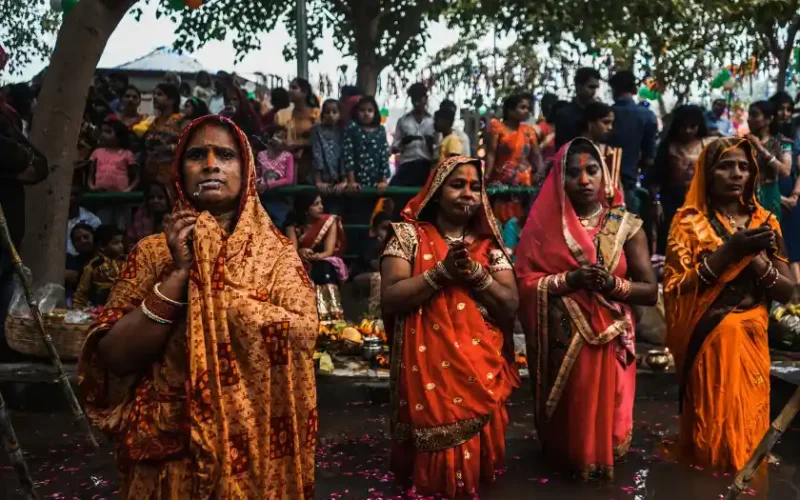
(165, 298)
(152, 316)
(430, 279)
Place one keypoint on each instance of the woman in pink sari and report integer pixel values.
(582, 261)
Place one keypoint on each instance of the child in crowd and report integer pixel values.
(274, 168)
(193, 109)
(82, 238)
(78, 214)
(368, 279)
(102, 271)
(204, 88)
(450, 144)
(365, 148)
(326, 146)
(513, 228)
(113, 166)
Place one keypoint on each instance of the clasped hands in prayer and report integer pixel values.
(459, 265)
(593, 278)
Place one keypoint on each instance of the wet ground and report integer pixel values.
(351, 456)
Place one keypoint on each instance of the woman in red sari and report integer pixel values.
(582, 261)
(320, 240)
(450, 299)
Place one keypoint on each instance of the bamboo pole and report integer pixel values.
(11, 445)
(77, 411)
(774, 433)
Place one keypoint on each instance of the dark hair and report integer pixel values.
(688, 114)
(135, 89)
(121, 132)
(448, 104)
(513, 101)
(245, 116)
(185, 88)
(20, 96)
(445, 114)
(592, 112)
(780, 98)
(200, 74)
(81, 225)
(302, 202)
(380, 218)
(623, 82)
(105, 233)
(547, 102)
(376, 119)
(583, 75)
(583, 147)
(327, 102)
(121, 77)
(555, 109)
(200, 108)
(305, 86)
(272, 130)
(350, 91)
(770, 110)
(172, 93)
(279, 98)
(417, 91)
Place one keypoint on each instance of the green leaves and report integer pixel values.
(27, 31)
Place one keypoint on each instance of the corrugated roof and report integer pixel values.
(163, 60)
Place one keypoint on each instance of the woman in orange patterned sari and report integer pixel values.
(582, 261)
(725, 264)
(449, 295)
(200, 368)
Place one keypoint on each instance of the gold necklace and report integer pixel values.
(587, 219)
(735, 225)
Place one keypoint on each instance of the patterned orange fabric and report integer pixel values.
(725, 408)
(512, 154)
(229, 411)
(454, 368)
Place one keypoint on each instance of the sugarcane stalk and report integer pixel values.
(80, 417)
(772, 436)
(11, 445)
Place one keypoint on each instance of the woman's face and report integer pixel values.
(601, 129)
(366, 113)
(296, 94)
(688, 132)
(460, 194)
(212, 169)
(232, 100)
(784, 113)
(522, 112)
(583, 179)
(157, 200)
(316, 209)
(757, 120)
(278, 140)
(131, 100)
(161, 101)
(83, 240)
(188, 108)
(730, 175)
(330, 114)
(107, 136)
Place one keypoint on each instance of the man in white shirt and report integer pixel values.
(217, 103)
(414, 141)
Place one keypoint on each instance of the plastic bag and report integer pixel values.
(77, 316)
(19, 305)
(47, 298)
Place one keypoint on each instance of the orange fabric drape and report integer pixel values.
(584, 361)
(229, 410)
(725, 407)
(452, 369)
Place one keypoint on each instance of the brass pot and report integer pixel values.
(657, 360)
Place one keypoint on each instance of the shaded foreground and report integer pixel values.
(351, 456)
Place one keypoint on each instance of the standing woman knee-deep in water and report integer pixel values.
(582, 261)
(200, 367)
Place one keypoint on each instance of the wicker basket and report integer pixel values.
(23, 336)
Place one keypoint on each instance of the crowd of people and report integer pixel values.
(227, 407)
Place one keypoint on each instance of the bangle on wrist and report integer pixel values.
(165, 298)
(621, 289)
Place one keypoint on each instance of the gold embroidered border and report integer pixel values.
(499, 262)
(394, 373)
(622, 448)
(619, 326)
(541, 340)
(407, 237)
(322, 232)
(447, 436)
(563, 375)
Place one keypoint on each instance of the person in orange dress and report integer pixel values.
(725, 265)
(582, 261)
(450, 299)
(200, 367)
(512, 156)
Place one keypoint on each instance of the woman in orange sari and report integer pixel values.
(725, 264)
(450, 298)
(581, 262)
(200, 368)
(320, 240)
(513, 157)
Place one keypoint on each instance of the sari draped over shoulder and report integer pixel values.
(581, 344)
(229, 409)
(452, 365)
(328, 273)
(717, 333)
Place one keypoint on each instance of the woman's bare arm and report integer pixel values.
(330, 245)
(644, 285)
(400, 292)
(502, 297)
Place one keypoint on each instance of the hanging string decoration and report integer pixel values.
(64, 6)
(183, 4)
(722, 77)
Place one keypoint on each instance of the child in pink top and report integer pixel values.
(113, 166)
(275, 165)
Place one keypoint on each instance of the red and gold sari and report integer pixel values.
(453, 369)
(582, 343)
(328, 273)
(717, 333)
(229, 410)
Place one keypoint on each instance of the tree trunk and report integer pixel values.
(783, 64)
(56, 126)
(367, 77)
